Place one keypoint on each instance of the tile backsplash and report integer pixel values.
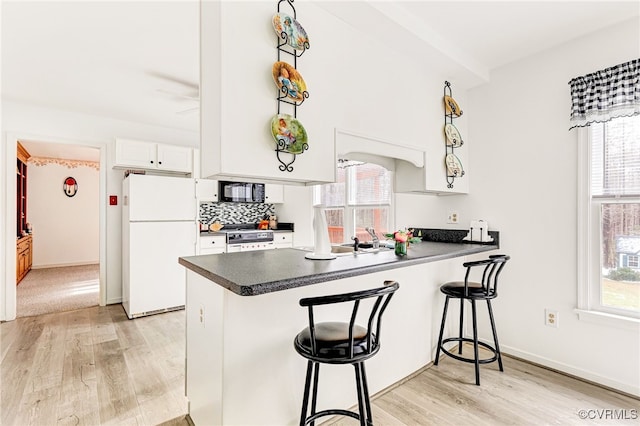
(233, 213)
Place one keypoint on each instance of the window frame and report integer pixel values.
(589, 234)
(349, 208)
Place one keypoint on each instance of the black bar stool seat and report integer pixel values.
(342, 343)
(487, 289)
(332, 342)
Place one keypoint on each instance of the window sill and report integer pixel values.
(603, 318)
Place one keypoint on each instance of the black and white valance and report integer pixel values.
(603, 95)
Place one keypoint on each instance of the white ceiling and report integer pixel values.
(138, 61)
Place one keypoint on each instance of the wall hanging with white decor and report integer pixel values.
(453, 139)
(288, 133)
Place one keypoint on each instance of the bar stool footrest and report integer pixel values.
(471, 360)
(331, 412)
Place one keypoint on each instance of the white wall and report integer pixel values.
(355, 83)
(66, 229)
(525, 184)
(47, 125)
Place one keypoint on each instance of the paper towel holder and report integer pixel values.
(321, 244)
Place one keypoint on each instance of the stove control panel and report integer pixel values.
(249, 237)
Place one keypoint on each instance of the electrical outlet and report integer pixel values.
(551, 318)
(202, 315)
(453, 217)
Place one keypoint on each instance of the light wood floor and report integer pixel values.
(92, 366)
(95, 367)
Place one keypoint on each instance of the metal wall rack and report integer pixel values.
(283, 47)
(451, 109)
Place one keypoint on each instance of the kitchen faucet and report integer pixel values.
(374, 237)
(356, 243)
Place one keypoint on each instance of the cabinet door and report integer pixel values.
(175, 158)
(130, 153)
(283, 239)
(273, 193)
(206, 190)
(213, 245)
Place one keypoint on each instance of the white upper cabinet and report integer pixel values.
(238, 99)
(153, 156)
(273, 194)
(206, 190)
(174, 158)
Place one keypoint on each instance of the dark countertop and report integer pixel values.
(260, 272)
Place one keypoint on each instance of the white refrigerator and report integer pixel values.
(158, 227)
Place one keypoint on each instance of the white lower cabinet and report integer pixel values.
(213, 244)
(283, 239)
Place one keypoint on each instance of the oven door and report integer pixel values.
(234, 248)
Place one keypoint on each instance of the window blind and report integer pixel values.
(615, 158)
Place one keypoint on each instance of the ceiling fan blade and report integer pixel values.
(163, 76)
(178, 95)
(187, 111)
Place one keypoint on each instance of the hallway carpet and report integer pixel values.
(49, 290)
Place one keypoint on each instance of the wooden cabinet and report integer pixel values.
(153, 156)
(24, 257)
(283, 239)
(21, 190)
(24, 246)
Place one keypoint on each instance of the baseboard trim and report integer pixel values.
(571, 371)
(64, 265)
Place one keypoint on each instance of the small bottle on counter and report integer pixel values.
(273, 222)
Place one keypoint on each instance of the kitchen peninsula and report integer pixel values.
(243, 313)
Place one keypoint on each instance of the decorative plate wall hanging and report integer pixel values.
(453, 139)
(454, 166)
(70, 186)
(296, 35)
(453, 135)
(451, 106)
(289, 134)
(289, 81)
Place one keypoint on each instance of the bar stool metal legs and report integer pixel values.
(342, 343)
(473, 291)
(364, 414)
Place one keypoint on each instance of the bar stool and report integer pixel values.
(487, 289)
(342, 343)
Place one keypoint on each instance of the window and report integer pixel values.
(360, 198)
(610, 217)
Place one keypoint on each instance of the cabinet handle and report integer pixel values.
(151, 161)
(213, 242)
(159, 162)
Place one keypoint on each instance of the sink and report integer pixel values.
(342, 249)
(347, 250)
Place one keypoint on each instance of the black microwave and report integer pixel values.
(241, 192)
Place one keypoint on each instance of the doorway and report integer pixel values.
(64, 224)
